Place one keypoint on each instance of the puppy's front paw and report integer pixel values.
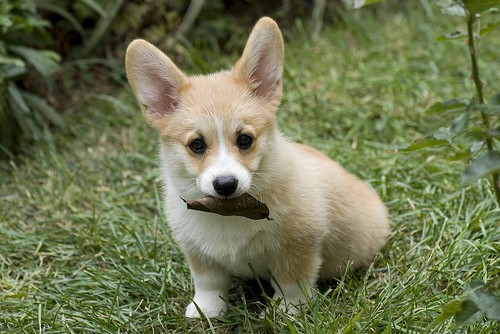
(192, 311)
(210, 309)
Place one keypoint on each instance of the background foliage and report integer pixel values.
(88, 36)
(473, 133)
(25, 66)
(84, 246)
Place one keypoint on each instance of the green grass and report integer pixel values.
(84, 246)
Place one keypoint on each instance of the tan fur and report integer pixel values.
(322, 216)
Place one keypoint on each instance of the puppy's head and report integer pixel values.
(214, 129)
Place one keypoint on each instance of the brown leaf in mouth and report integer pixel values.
(243, 206)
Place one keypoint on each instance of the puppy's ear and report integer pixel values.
(261, 65)
(154, 78)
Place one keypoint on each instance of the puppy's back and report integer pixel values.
(358, 220)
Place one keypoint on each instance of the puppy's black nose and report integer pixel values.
(225, 185)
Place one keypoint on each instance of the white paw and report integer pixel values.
(192, 311)
(210, 309)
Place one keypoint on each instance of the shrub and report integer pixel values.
(23, 63)
(474, 133)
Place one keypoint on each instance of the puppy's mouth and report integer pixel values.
(243, 206)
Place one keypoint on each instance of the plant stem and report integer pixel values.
(480, 97)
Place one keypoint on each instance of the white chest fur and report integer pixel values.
(232, 242)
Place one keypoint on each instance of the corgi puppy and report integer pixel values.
(219, 138)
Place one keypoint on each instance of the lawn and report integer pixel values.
(83, 242)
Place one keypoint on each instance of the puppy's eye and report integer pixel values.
(244, 141)
(198, 146)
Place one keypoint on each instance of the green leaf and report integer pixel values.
(12, 72)
(22, 113)
(492, 107)
(488, 28)
(452, 35)
(355, 4)
(483, 295)
(102, 26)
(11, 61)
(451, 106)
(459, 124)
(450, 310)
(493, 133)
(443, 133)
(460, 156)
(478, 6)
(53, 7)
(451, 7)
(479, 302)
(475, 147)
(469, 313)
(486, 165)
(39, 104)
(493, 312)
(422, 143)
(46, 62)
(95, 6)
(17, 99)
(5, 22)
